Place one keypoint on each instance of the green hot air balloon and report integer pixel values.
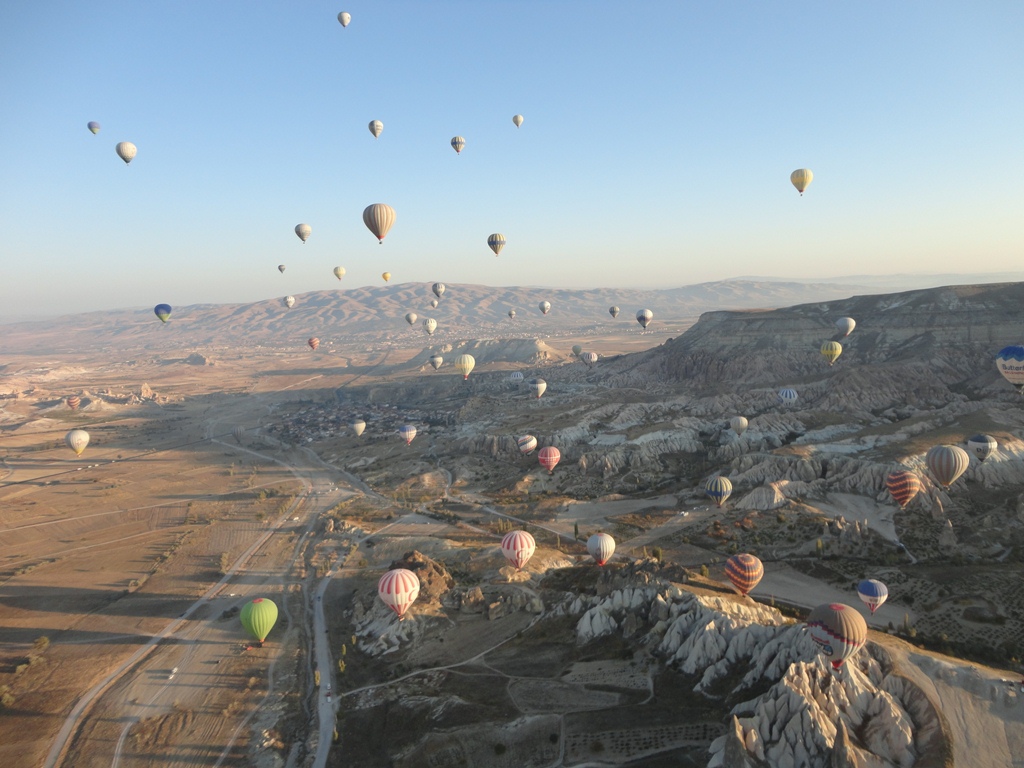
(259, 617)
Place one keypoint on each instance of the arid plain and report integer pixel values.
(221, 467)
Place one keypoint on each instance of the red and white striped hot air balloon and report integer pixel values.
(313, 342)
(549, 458)
(73, 402)
(398, 589)
(518, 547)
(601, 547)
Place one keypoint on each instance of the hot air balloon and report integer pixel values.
(545, 307)
(281, 268)
(739, 424)
(517, 120)
(358, 426)
(982, 446)
(313, 342)
(845, 325)
(744, 571)
(289, 301)
(408, 433)
(831, 350)
(464, 364)
(590, 358)
(549, 458)
(126, 151)
(718, 489)
(872, 593)
(576, 349)
(644, 317)
(411, 318)
(303, 231)
(73, 402)
(378, 218)
(947, 463)
(601, 547)
(801, 179)
(511, 314)
(436, 361)
(398, 589)
(516, 377)
(537, 387)
(613, 311)
(788, 396)
(838, 630)
(386, 276)
(527, 444)
(339, 272)
(77, 440)
(238, 433)
(518, 547)
(903, 486)
(438, 289)
(496, 242)
(376, 127)
(344, 18)
(457, 144)
(433, 303)
(93, 127)
(1010, 362)
(259, 617)
(163, 311)
(430, 325)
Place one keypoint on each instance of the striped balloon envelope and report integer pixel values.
(601, 547)
(788, 396)
(947, 463)
(744, 571)
(838, 630)
(518, 547)
(831, 350)
(379, 219)
(313, 342)
(549, 458)
(398, 589)
(527, 444)
(516, 378)
(73, 402)
(458, 144)
(903, 485)
(496, 242)
(872, 593)
(408, 433)
(719, 489)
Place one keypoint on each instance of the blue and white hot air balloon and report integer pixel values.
(1010, 362)
(872, 593)
(788, 396)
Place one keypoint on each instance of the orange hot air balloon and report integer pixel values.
(313, 342)
(903, 486)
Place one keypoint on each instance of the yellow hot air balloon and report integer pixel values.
(386, 276)
(801, 178)
(464, 364)
(831, 351)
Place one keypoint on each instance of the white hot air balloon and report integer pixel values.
(344, 18)
(537, 387)
(430, 325)
(739, 424)
(126, 151)
(411, 318)
(845, 325)
(358, 426)
(644, 317)
(518, 120)
(379, 218)
(545, 307)
(289, 301)
(77, 440)
(303, 231)
(433, 303)
(376, 128)
(436, 361)
(801, 178)
(339, 272)
(601, 547)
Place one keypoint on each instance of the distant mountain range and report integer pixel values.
(376, 314)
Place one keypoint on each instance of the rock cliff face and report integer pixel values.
(918, 342)
(863, 716)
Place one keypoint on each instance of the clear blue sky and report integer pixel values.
(656, 151)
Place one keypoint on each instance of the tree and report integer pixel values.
(656, 553)
(576, 531)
